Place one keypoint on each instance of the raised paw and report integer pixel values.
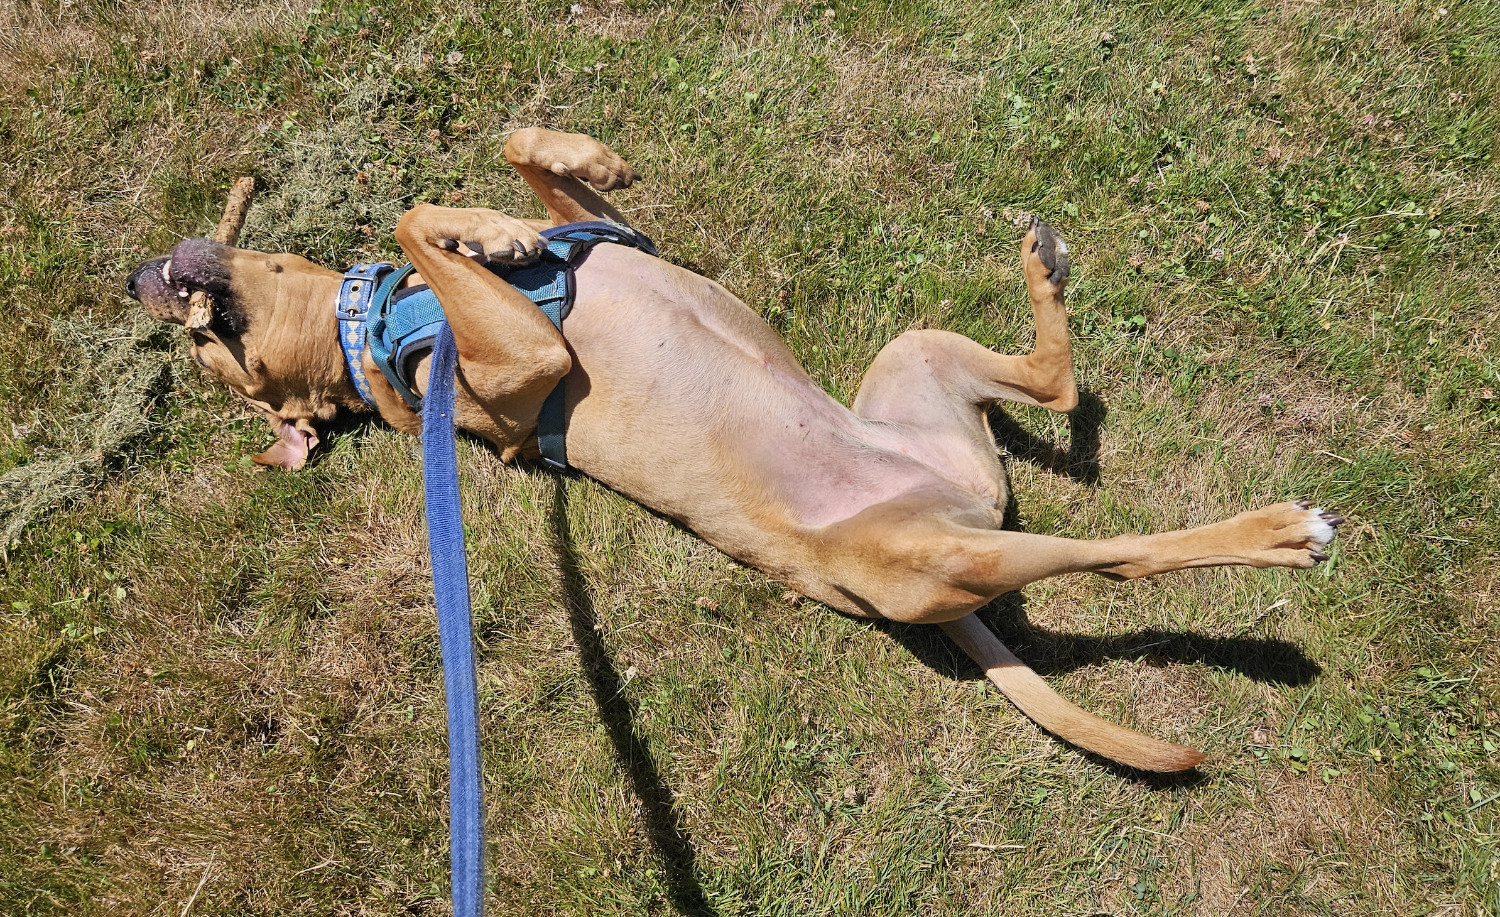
(1290, 534)
(605, 172)
(571, 156)
(489, 236)
(1044, 255)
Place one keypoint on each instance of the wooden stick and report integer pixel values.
(234, 211)
(200, 307)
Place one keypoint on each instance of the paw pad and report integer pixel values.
(1051, 250)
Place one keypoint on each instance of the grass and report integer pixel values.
(220, 690)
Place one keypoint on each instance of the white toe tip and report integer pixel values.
(1321, 532)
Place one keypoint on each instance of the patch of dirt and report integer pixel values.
(615, 21)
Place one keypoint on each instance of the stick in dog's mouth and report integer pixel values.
(235, 209)
(200, 313)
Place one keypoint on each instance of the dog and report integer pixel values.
(682, 398)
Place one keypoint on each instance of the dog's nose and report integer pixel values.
(130, 288)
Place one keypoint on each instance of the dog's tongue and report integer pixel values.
(290, 451)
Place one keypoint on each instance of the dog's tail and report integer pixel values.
(1029, 692)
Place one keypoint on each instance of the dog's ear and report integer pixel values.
(294, 440)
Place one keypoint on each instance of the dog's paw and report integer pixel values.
(592, 162)
(1292, 534)
(571, 156)
(1044, 255)
(1322, 525)
(491, 236)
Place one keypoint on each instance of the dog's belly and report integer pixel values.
(685, 400)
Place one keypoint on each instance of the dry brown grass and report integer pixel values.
(256, 726)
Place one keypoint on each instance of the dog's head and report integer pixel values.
(264, 325)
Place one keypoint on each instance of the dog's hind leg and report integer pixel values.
(566, 171)
(918, 372)
(924, 562)
(1289, 534)
(940, 384)
(931, 568)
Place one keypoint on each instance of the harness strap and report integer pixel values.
(397, 334)
(398, 324)
(450, 586)
(550, 283)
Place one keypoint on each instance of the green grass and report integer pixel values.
(220, 690)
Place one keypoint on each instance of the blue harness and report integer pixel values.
(398, 325)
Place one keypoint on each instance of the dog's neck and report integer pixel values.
(303, 329)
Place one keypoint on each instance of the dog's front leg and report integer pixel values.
(510, 355)
(569, 172)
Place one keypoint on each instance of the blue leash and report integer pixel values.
(365, 297)
(450, 585)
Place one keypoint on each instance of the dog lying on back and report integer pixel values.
(680, 397)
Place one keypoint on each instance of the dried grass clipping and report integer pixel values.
(130, 368)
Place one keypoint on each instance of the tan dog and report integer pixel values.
(682, 398)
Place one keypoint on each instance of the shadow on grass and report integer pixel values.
(672, 845)
(1263, 659)
(347, 424)
(1049, 653)
(1080, 461)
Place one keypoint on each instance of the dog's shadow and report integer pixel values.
(347, 425)
(1262, 659)
(1080, 461)
(672, 845)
